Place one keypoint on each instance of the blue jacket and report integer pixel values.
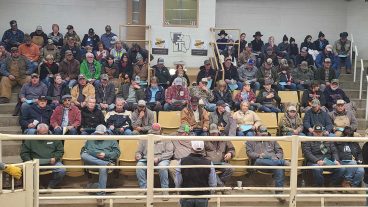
(160, 95)
(106, 40)
(5, 65)
(12, 39)
(312, 118)
(322, 56)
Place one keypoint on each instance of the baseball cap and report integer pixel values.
(141, 103)
(250, 62)
(14, 49)
(68, 52)
(315, 102)
(160, 61)
(269, 61)
(34, 75)
(70, 27)
(178, 81)
(327, 60)
(197, 145)
(206, 62)
(340, 101)
(204, 80)
(100, 129)
(247, 83)
(81, 76)
(91, 31)
(335, 81)
(156, 129)
(221, 103)
(39, 28)
(184, 128)
(42, 98)
(49, 41)
(214, 128)
(329, 48)
(304, 49)
(65, 97)
(194, 100)
(104, 77)
(318, 128)
(291, 108)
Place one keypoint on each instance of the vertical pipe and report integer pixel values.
(294, 171)
(36, 184)
(150, 171)
(361, 79)
(351, 48)
(366, 102)
(355, 62)
(1, 175)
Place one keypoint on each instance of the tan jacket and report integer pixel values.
(187, 117)
(287, 125)
(247, 118)
(88, 91)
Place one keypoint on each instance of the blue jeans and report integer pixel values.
(302, 87)
(30, 131)
(291, 87)
(353, 175)
(343, 61)
(255, 86)
(102, 179)
(336, 178)
(210, 107)
(163, 173)
(57, 175)
(199, 132)
(225, 174)
(71, 83)
(46, 81)
(117, 132)
(249, 133)
(269, 109)
(25, 106)
(59, 131)
(194, 202)
(34, 66)
(277, 173)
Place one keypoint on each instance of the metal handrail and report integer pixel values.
(366, 101)
(351, 48)
(355, 61)
(361, 78)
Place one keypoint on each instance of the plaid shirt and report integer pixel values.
(172, 93)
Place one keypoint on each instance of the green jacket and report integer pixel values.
(43, 150)
(109, 147)
(85, 70)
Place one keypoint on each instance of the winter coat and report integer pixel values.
(247, 118)
(344, 119)
(30, 91)
(46, 69)
(163, 150)
(261, 98)
(308, 96)
(230, 74)
(74, 116)
(181, 94)
(54, 51)
(84, 69)
(251, 97)
(87, 91)
(141, 71)
(64, 89)
(308, 58)
(312, 151)
(312, 118)
(317, 46)
(187, 117)
(163, 75)
(288, 125)
(105, 95)
(246, 74)
(43, 150)
(216, 150)
(303, 75)
(91, 119)
(333, 95)
(338, 47)
(319, 75)
(21, 63)
(69, 69)
(203, 73)
(271, 148)
(90, 41)
(160, 95)
(321, 58)
(349, 151)
(146, 122)
(109, 147)
(261, 75)
(124, 92)
(39, 39)
(77, 52)
(34, 112)
(257, 45)
(111, 70)
(224, 96)
(214, 118)
(118, 120)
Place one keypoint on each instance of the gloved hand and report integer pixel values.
(14, 171)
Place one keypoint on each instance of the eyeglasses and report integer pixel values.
(68, 100)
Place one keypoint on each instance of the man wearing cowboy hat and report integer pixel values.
(257, 43)
(222, 40)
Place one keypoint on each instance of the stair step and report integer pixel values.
(12, 159)
(359, 103)
(14, 98)
(11, 148)
(360, 113)
(11, 130)
(351, 85)
(7, 108)
(362, 123)
(354, 93)
(8, 120)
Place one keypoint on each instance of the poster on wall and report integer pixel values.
(180, 42)
(160, 47)
(199, 48)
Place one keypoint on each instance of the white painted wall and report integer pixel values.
(82, 14)
(296, 18)
(357, 24)
(154, 17)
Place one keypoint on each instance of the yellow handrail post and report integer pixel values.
(294, 171)
(150, 170)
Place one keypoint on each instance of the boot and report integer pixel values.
(4, 100)
(17, 108)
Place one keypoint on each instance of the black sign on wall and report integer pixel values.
(160, 51)
(197, 52)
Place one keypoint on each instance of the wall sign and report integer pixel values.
(180, 42)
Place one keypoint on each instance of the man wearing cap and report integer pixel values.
(268, 98)
(268, 153)
(131, 92)
(246, 94)
(342, 48)
(325, 74)
(71, 33)
(91, 69)
(206, 71)
(50, 49)
(162, 73)
(39, 37)
(327, 53)
(223, 120)
(267, 71)
(105, 94)
(231, 75)
(100, 152)
(291, 123)
(118, 50)
(305, 56)
(313, 92)
(106, 38)
(69, 69)
(31, 51)
(334, 93)
(177, 96)
(90, 39)
(81, 91)
(202, 92)
(247, 121)
(31, 91)
(196, 117)
(342, 118)
(303, 76)
(66, 117)
(182, 148)
(220, 153)
(118, 121)
(142, 118)
(319, 153)
(257, 43)
(155, 95)
(316, 116)
(248, 72)
(56, 90)
(71, 44)
(321, 43)
(3, 53)
(91, 117)
(48, 152)
(13, 37)
(222, 40)
(195, 177)
(246, 55)
(15, 71)
(163, 151)
(140, 68)
(35, 114)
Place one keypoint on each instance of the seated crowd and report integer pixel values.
(100, 86)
